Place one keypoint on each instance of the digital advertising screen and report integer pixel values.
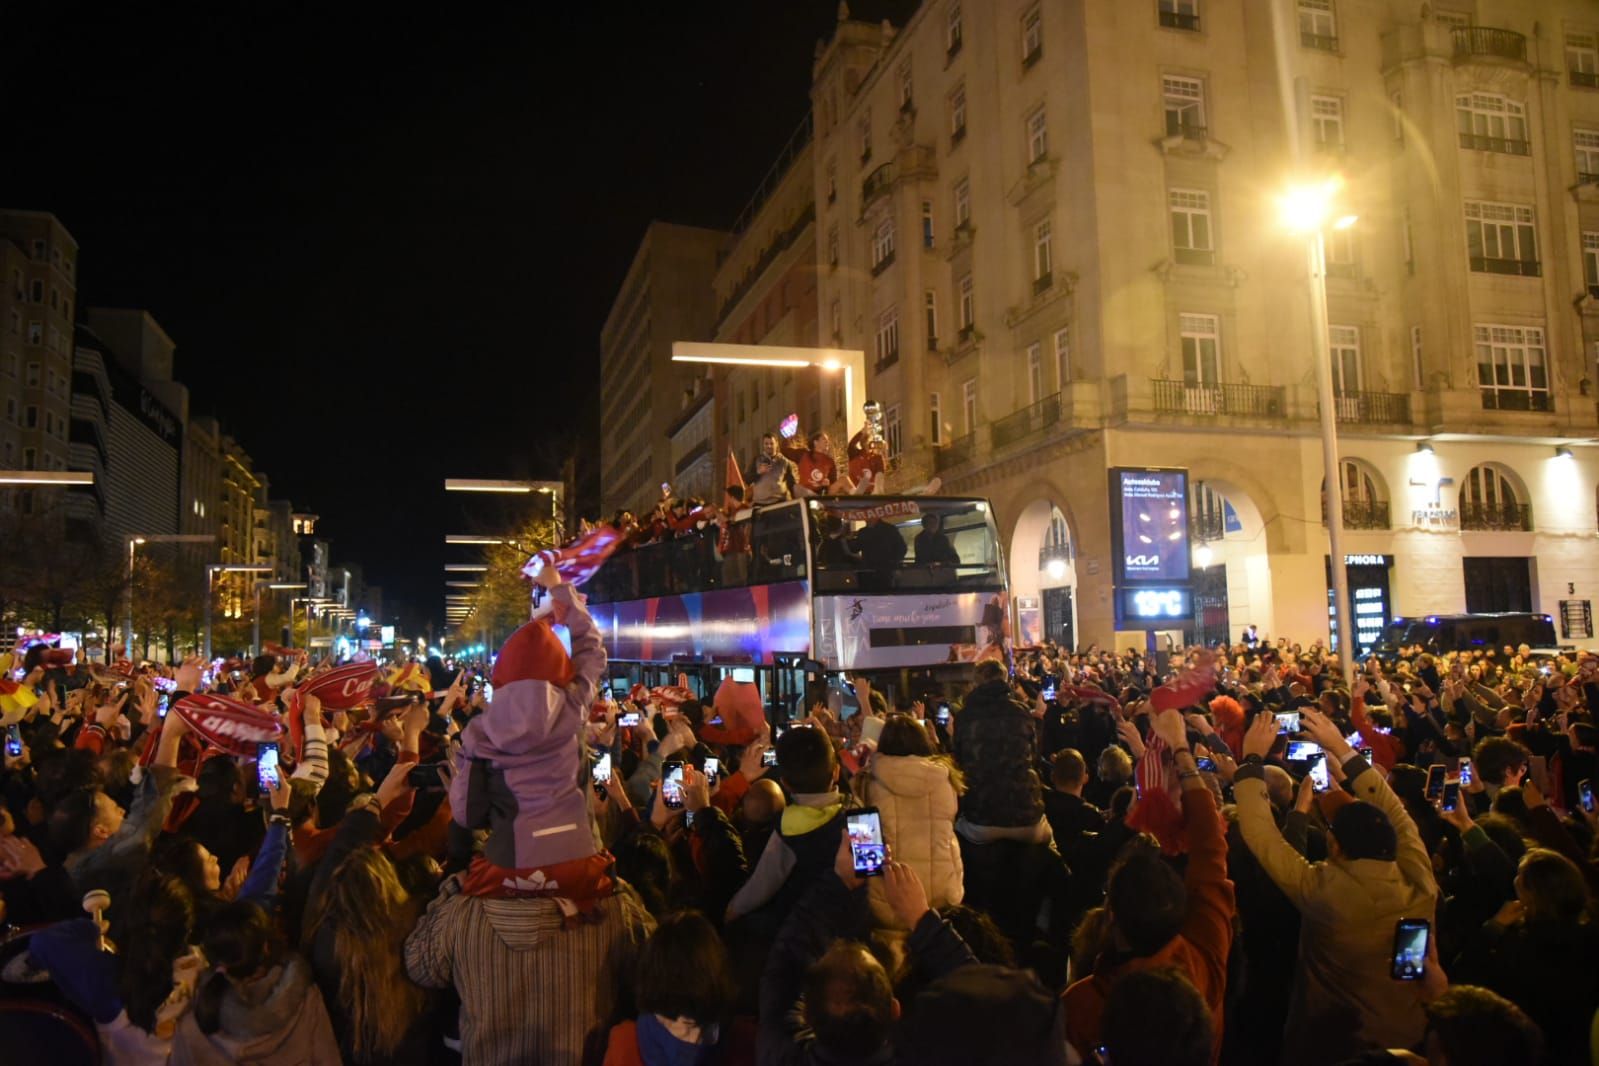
(1149, 520)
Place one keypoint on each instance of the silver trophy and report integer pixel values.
(874, 422)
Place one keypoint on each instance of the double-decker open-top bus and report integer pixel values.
(909, 590)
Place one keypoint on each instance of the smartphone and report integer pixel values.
(1049, 692)
(1435, 782)
(1354, 739)
(1206, 764)
(488, 692)
(672, 788)
(713, 767)
(164, 684)
(942, 717)
(1320, 778)
(866, 843)
(1365, 753)
(426, 777)
(630, 720)
(1302, 751)
(268, 773)
(769, 757)
(602, 770)
(872, 729)
(14, 742)
(1465, 772)
(1584, 794)
(1410, 948)
(1288, 722)
(1451, 796)
(163, 703)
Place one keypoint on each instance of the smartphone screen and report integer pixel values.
(1288, 722)
(631, 720)
(268, 773)
(1451, 797)
(1585, 794)
(1049, 692)
(14, 740)
(866, 842)
(1354, 739)
(1435, 782)
(672, 788)
(1302, 751)
(1410, 948)
(602, 769)
(1366, 753)
(943, 714)
(162, 704)
(1465, 772)
(1206, 764)
(1320, 778)
(713, 766)
(769, 757)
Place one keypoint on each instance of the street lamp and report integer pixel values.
(211, 571)
(850, 362)
(136, 539)
(271, 586)
(1309, 210)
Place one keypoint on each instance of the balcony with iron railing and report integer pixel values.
(1495, 517)
(958, 451)
(1522, 268)
(1496, 399)
(1034, 419)
(1476, 41)
(1177, 20)
(1373, 408)
(1362, 514)
(1480, 142)
(1251, 401)
(1207, 526)
(877, 183)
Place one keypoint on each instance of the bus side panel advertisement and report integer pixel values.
(879, 632)
(741, 624)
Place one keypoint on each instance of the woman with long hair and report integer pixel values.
(354, 933)
(258, 1004)
(356, 929)
(916, 792)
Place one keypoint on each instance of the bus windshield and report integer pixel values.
(902, 544)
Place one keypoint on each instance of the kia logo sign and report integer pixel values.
(1142, 561)
(343, 687)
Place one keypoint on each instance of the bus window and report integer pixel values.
(886, 545)
(778, 543)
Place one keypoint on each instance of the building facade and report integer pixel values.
(1062, 220)
(38, 291)
(665, 297)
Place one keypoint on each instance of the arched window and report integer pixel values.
(1058, 541)
(1207, 513)
(1490, 500)
(1365, 498)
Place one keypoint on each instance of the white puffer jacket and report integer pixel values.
(917, 799)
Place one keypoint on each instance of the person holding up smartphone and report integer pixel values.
(1377, 873)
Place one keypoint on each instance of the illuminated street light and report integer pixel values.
(468, 538)
(211, 572)
(850, 361)
(59, 478)
(465, 568)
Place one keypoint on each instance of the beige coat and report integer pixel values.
(1344, 998)
(917, 799)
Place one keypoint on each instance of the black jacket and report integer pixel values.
(996, 746)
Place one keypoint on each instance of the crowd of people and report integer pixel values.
(1218, 856)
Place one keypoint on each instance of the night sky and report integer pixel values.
(384, 246)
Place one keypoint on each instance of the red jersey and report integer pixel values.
(817, 472)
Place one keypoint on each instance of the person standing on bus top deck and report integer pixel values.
(933, 547)
(774, 476)
(817, 469)
(866, 462)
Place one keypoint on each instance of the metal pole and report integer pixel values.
(209, 571)
(1332, 473)
(255, 624)
(128, 628)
